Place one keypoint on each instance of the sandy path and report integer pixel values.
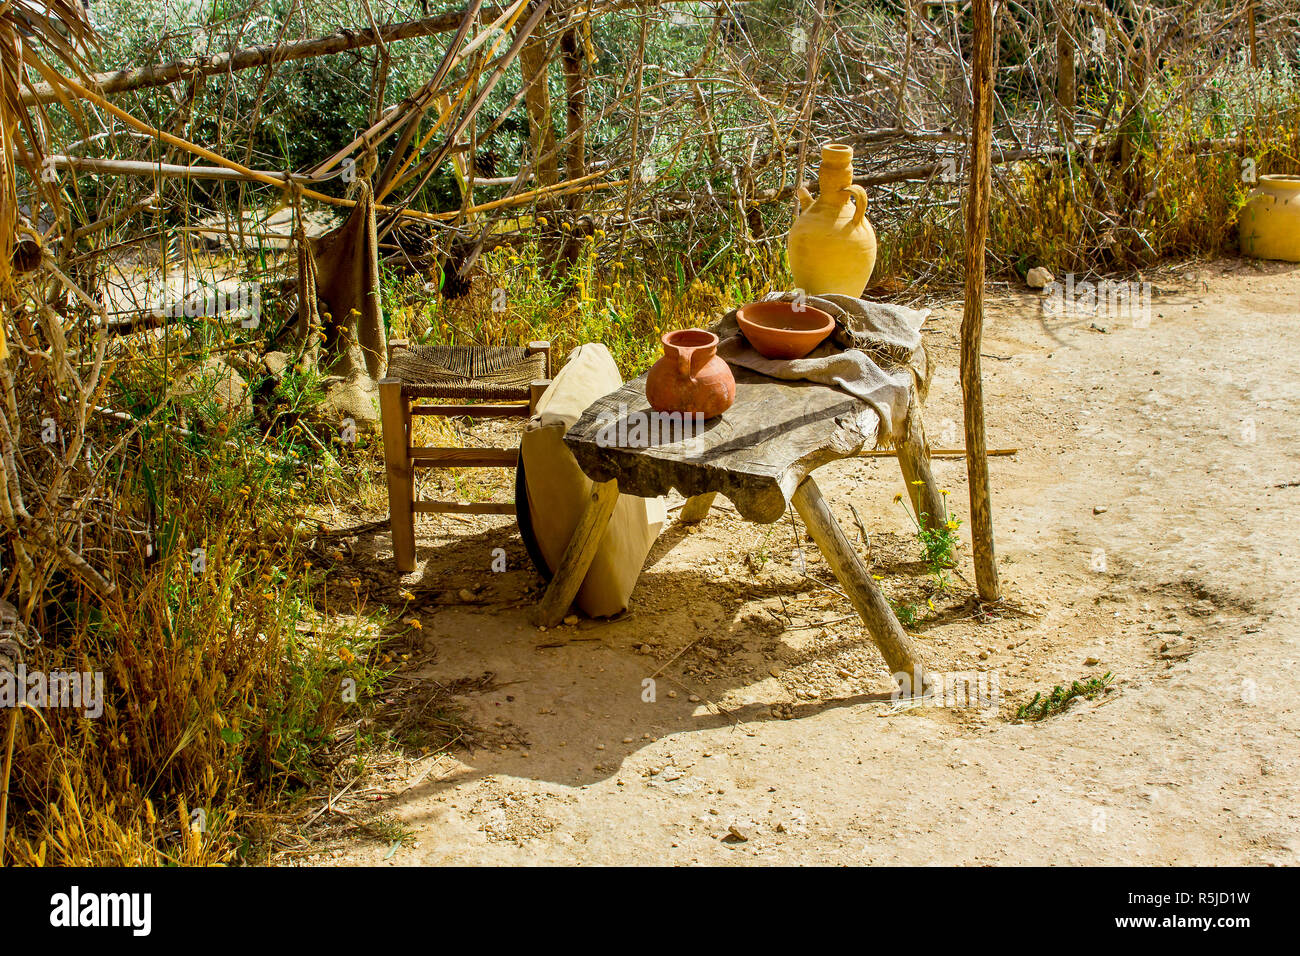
(1182, 435)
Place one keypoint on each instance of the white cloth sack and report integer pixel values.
(558, 491)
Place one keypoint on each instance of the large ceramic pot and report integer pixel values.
(832, 246)
(690, 378)
(1270, 220)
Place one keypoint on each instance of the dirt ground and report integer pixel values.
(1144, 529)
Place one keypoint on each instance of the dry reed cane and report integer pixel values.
(4, 780)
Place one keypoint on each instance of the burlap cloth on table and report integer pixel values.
(875, 354)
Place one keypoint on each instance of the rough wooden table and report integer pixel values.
(760, 454)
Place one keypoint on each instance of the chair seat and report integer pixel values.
(467, 371)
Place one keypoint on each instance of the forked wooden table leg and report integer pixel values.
(696, 508)
(914, 461)
(899, 650)
(578, 555)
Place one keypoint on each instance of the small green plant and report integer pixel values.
(907, 614)
(938, 545)
(758, 559)
(1055, 702)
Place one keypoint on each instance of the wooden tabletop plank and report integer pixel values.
(755, 454)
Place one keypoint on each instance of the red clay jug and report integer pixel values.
(690, 377)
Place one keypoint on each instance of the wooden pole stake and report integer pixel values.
(1065, 74)
(1254, 57)
(972, 323)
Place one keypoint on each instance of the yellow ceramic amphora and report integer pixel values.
(1270, 220)
(832, 246)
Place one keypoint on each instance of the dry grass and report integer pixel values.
(228, 685)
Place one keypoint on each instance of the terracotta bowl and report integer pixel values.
(780, 331)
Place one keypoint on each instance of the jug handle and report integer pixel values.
(805, 198)
(684, 361)
(860, 203)
(701, 356)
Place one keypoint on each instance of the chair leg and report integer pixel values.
(397, 462)
(535, 390)
(544, 347)
(394, 345)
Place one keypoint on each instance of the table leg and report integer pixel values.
(578, 555)
(696, 508)
(914, 461)
(899, 650)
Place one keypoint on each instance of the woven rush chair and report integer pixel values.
(466, 380)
